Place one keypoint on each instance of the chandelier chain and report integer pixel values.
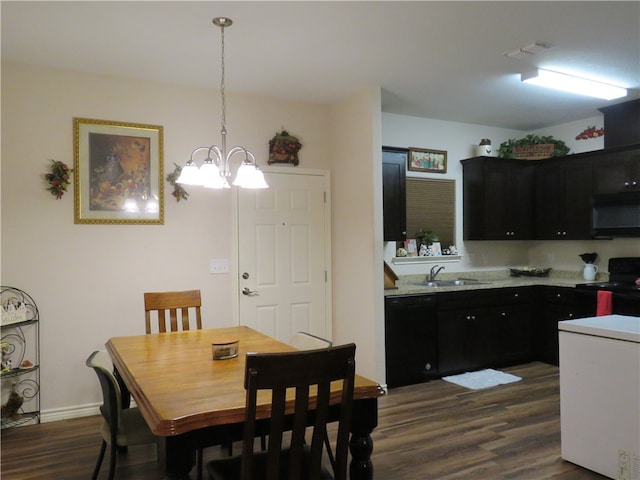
(224, 101)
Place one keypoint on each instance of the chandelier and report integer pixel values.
(216, 168)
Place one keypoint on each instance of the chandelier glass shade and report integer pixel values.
(215, 170)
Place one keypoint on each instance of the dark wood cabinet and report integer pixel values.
(434, 335)
(563, 198)
(411, 339)
(622, 124)
(394, 167)
(498, 199)
(557, 304)
(483, 328)
(616, 171)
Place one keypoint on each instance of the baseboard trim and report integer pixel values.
(68, 413)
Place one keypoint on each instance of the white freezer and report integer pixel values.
(600, 394)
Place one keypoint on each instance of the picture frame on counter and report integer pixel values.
(411, 246)
(427, 160)
(118, 172)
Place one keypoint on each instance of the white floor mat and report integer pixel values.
(482, 379)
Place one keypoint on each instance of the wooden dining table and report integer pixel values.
(193, 401)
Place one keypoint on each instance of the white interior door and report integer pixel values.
(284, 255)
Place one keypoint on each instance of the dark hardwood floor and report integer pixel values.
(431, 431)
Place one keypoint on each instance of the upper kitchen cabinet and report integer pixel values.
(498, 199)
(563, 198)
(394, 168)
(617, 170)
(621, 124)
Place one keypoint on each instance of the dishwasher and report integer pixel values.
(411, 339)
(600, 394)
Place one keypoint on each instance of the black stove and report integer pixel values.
(623, 273)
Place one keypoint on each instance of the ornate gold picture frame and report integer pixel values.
(118, 175)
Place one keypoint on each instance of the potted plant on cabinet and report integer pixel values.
(426, 236)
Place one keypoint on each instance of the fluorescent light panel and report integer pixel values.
(569, 83)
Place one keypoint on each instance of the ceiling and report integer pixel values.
(441, 60)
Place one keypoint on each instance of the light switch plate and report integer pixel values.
(219, 265)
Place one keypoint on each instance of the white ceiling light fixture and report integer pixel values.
(570, 83)
(215, 170)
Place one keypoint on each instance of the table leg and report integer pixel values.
(179, 456)
(365, 419)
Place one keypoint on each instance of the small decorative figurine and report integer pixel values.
(10, 409)
(6, 362)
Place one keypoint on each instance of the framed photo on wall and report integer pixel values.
(117, 172)
(426, 160)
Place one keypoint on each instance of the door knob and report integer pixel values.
(248, 292)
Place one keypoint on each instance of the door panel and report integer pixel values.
(283, 251)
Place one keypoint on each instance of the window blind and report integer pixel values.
(431, 205)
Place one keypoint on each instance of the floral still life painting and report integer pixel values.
(118, 172)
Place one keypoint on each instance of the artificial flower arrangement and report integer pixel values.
(58, 179)
(178, 190)
(590, 132)
(284, 148)
(559, 147)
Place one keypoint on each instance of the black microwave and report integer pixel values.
(616, 215)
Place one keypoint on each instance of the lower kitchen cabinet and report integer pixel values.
(483, 328)
(410, 339)
(433, 335)
(557, 304)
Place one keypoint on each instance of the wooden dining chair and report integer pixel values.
(120, 427)
(184, 302)
(305, 373)
(306, 341)
(172, 303)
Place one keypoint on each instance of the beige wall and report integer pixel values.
(88, 280)
(357, 226)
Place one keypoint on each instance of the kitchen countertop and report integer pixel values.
(409, 284)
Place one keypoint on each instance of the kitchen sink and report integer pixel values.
(460, 282)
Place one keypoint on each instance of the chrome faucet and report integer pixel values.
(434, 273)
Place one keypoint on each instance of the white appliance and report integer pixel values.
(600, 394)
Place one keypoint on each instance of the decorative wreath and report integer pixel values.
(58, 179)
(179, 192)
(284, 148)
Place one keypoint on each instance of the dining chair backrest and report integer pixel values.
(304, 371)
(172, 303)
(120, 427)
(111, 398)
